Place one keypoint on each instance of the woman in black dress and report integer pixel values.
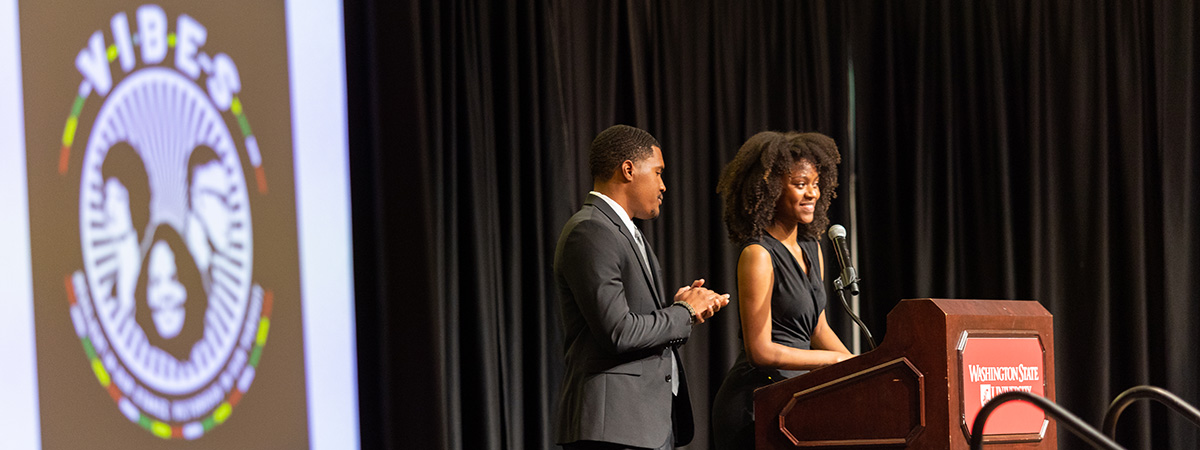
(776, 192)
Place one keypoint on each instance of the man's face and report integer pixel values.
(646, 190)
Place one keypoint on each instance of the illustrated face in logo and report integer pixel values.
(171, 304)
(116, 205)
(209, 216)
(164, 292)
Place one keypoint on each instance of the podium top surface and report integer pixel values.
(963, 307)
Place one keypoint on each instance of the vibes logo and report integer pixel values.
(166, 304)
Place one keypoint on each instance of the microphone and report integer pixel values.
(849, 278)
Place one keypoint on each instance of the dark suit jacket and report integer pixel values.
(619, 330)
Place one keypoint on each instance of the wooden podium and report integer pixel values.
(924, 384)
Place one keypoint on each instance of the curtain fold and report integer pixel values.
(1041, 150)
(1022, 150)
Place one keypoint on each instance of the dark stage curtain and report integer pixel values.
(1002, 150)
(1045, 151)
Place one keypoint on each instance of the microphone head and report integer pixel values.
(837, 231)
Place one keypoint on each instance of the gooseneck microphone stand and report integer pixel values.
(840, 285)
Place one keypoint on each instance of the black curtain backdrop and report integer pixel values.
(1018, 150)
(1041, 150)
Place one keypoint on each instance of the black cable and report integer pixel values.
(1073, 423)
(870, 339)
(1143, 392)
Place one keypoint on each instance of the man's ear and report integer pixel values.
(627, 170)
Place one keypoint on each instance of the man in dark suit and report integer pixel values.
(624, 385)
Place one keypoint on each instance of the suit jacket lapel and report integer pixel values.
(651, 278)
(658, 284)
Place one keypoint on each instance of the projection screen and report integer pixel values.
(175, 235)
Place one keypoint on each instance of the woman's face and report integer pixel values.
(165, 294)
(798, 200)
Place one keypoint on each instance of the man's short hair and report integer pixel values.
(616, 145)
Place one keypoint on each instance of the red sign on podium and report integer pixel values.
(994, 365)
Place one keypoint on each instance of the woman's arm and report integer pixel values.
(755, 278)
(825, 339)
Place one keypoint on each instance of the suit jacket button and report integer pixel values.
(668, 378)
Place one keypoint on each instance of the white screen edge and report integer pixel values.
(317, 73)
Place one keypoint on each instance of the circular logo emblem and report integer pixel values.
(166, 307)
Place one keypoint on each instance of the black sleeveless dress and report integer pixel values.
(797, 300)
